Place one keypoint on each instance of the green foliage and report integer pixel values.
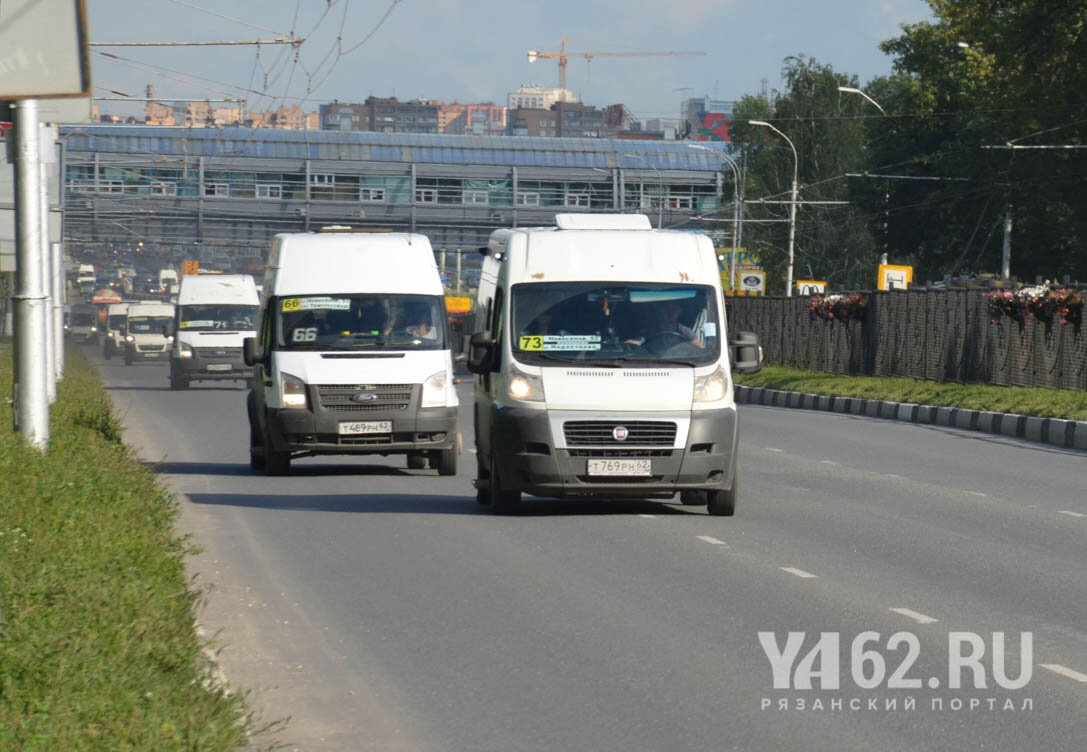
(98, 647)
(983, 73)
(1045, 403)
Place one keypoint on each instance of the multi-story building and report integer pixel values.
(381, 115)
(538, 97)
(483, 119)
(707, 119)
(289, 117)
(562, 119)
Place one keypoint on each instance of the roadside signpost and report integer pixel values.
(43, 54)
(891, 277)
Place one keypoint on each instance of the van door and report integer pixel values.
(485, 381)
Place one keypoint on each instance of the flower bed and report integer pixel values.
(842, 308)
(1042, 302)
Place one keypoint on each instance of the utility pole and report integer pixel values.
(31, 398)
(1006, 254)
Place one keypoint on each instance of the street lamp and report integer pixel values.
(737, 209)
(851, 90)
(660, 180)
(792, 206)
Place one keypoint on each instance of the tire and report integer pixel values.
(128, 358)
(107, 352)
(502, 501)
(483, 495)
(275, 463)
(723, 503)
(256, 449)
(447, 461)
(178, 382)
(692, 498)
(416, 461)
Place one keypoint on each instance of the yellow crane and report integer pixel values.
(562, 55)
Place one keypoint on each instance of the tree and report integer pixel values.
(832, 242)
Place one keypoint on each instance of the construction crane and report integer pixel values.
(562, 56)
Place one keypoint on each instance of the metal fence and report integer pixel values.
(939, 335)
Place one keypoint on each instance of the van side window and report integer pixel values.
(496, 326)
(266, 326)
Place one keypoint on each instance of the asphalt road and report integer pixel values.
(381, 608)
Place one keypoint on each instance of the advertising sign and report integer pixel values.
(892, 277)
(810, 287)
(190, 266)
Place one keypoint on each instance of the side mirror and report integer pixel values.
(480, 352)
(746, 353)
(251, 353)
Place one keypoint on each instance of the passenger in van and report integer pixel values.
(423, 328)
(665, 321)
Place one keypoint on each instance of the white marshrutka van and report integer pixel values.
(353, 354)
(148, 331)
(215, 313)
(114, 342)
(604, 366)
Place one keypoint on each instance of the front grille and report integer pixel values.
(615, 453)
(337, 397)
(599, 432)
(211, 353)
(373, 439)
(150, 348)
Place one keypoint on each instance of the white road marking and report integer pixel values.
(1056, 668)
(977, 493)
(797, 572)
(829, 462)
(1072, 514)
(774, 449)
(917, 617)
(648, 516)
(892, 475)
(714, 541)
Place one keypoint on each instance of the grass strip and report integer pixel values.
(1044, 403)
(98, 648)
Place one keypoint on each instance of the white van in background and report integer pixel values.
(603, 364)
(114, 341)
(353, 353)
(148, 331)
(215, 313)
(168, 284)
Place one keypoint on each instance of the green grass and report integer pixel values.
(97, 644)
(1045, 403)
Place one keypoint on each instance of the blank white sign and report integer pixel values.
(43, 50)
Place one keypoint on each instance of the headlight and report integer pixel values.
(711, 387)
(108, 334)
(94, 328)
(434, 389)
(184, 350)
(524, 387)
(130, 338)
(292, 390)
(169, 338)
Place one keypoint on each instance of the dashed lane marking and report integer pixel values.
(977, 493)
(1056, 668)
(774, 449)
(1072, 514)
(648, 516)
(917, 617)
(797, 572)
(712, 540)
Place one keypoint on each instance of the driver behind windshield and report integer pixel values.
(664, 320)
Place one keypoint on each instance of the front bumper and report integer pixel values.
(135, 353)
(316, 429)
(200, 368)
(529, 461)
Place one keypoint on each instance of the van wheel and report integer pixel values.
(177, 381)
(723, 503)
(107, 353)
(447, 461)
(483, 494)
(275, 463)
(416, 461)
(256, 449)
(128, 358)
(691, 498)
(502, 501)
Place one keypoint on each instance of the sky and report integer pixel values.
(475, 50)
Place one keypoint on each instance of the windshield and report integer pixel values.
(198, 318)
(149, 324)
(354, 322)
(82, 319)
(116, 320)
(607, 321)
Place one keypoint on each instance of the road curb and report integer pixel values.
(1070, 434)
